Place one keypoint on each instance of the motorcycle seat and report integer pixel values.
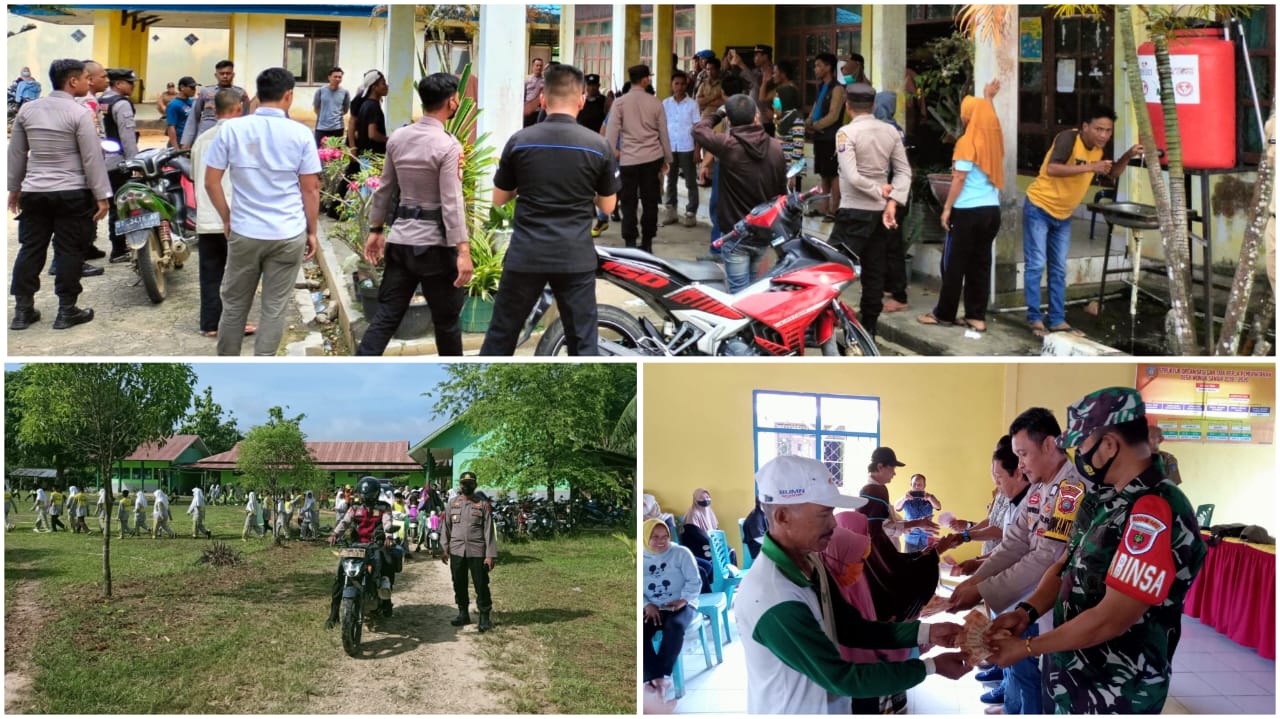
(693, 271)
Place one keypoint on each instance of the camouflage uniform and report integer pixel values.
(1142, 541)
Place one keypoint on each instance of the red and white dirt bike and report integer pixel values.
(793, 307)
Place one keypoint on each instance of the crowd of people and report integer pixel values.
(1089, 550)
(734, 123)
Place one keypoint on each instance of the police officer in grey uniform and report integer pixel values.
(470, 546)
(120, 125)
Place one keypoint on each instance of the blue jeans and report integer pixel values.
(740, 264)
(1022, 683)
(711, 207)
(1043, 232)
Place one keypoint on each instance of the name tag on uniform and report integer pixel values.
(455, 518)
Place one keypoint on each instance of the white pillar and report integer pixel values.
(501, 72)
(567, 22)
(618, 63)
(887, 60)
(999, 60)
(702, 16)
(401, 65)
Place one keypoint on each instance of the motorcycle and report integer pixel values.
(156, 211)
(794, 306)
(360, 597)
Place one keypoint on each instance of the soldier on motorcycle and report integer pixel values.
(370, 521)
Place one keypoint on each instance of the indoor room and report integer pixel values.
(942, 421)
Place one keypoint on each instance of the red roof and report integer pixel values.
(337, 456)
(167, 451)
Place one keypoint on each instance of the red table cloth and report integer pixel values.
(1235, 593)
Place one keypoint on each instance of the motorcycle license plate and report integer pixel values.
(352, 553)
(145, 221)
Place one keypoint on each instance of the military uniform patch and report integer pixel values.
(1141, 534)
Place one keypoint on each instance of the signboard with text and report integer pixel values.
(1234, 405)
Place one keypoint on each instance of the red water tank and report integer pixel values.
(1204, 84)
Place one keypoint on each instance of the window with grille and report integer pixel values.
(839, 430)
(311, 49)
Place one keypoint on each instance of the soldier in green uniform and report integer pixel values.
(470, 546)
(1117, 594)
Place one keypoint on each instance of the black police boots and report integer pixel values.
(24, 313)
(485, 625)
(70, 316)
(463, 618)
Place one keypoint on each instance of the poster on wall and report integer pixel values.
(1234, 405)
(1030, 40)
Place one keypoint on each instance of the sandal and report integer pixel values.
(1038, 329)
(211, 334)
(928, 318)
(976, 325)
(1064, 327)
(250, 329)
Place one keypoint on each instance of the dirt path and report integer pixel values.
(22, 623)
(424, 665)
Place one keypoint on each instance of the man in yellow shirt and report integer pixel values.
(1065, 175)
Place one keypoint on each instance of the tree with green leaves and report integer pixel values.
(211, 423)
(46, 452)
(274, 457)
(548, 424)
(102, 413)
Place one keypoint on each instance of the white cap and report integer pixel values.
(801, 480)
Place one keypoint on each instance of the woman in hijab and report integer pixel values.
(698, 521)
(196, 510)
(670, 584)
(252, 517)
(41, 508)
(73, 501)
(310, 516)
(845, 558)
(100, 509)
(140, 513)
(900, 584)
(971, 214)
(161, 514)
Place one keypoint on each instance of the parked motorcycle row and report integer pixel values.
(534, 518)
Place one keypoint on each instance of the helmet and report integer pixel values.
(368, 488)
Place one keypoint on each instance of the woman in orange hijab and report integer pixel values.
(971, 214)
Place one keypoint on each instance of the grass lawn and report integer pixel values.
(566, 613)
(183, 637)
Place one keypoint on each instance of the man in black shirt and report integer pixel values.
(561, 172)
(595, 107)
(371, 123)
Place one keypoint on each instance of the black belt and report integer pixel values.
(419, 213)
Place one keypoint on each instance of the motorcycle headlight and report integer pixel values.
(351, 568)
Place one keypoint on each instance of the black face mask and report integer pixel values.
(468, 488)
(704, 502)
(455, 112)
(1086, 467)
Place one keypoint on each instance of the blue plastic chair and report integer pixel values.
(746, 556)
(677, 672)
(723, 578)
(715, 607)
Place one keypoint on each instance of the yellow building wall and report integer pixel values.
(942, 419)
(740, 25)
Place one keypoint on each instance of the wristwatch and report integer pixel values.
(965, 534)
(380, 229)
(1030, 610)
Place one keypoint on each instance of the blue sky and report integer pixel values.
(342, 401)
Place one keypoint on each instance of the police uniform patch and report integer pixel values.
(842, 140)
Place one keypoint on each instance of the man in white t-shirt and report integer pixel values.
(271, 225)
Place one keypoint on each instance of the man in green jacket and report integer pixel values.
(791, 615)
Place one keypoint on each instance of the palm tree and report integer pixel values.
(983, 22)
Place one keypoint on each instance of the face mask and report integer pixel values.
(846, 79)
(777, 105)
(704, 502)
(455, 111)
(468, 488)
(1086, 467)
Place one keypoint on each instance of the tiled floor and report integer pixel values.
(1212, 675)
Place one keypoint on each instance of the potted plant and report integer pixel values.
(488, 245)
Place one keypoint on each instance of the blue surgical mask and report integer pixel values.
(777, 105)
(846, 79)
